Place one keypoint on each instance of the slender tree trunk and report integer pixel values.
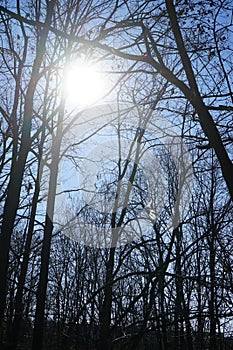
(193, 95)
(212, 261)
(200, 324)
(16, 176)
(178, 319)
(213, 321)
(105, 313)
(12, 341)
(45, 254)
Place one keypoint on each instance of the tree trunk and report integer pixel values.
(45, 254)
(193, 95)
(12, 341)
(16, 176)
(105, 313)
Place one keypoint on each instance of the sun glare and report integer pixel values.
(83, 85)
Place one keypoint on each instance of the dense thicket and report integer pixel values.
(147, 263)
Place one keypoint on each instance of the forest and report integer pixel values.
(116, 174)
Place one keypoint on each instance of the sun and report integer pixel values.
(84, 84)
